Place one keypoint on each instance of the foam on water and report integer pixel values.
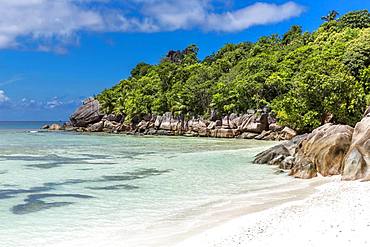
(63, 189)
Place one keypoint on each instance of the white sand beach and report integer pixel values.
(337, 214)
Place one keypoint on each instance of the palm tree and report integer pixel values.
(331, 16)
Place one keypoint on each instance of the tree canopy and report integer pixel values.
(300, 76)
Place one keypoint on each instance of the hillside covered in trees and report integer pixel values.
(301, 77)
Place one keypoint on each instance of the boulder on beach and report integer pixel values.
(322, 151)
(356, 163)
(328, 150)
(88, 113)
(285, 150)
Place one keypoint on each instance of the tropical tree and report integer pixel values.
(331, 16)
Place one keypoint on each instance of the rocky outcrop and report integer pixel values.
(281, 155)
(328, 150)
(251, 125)
(88, 113)
(356, 163)
(246, 126)
(322, 151)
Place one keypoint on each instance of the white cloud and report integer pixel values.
(43, 19)
(51, 24)
(174, 15)
(3, 97)
(55, 102)
(256, 14)
(48, 104)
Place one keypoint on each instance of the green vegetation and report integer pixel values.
(300, 76)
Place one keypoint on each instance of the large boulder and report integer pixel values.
(88, 113)
(96, 127)
(158, 122)
(166, 121)
(323, 151)
(225, 122)
(142, 126)
(254, 124)
(197, 125)
(275, 127)
(287, 134)
(242, 119)
(356, 163)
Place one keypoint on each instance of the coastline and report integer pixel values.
(217, 224)
(335, 213)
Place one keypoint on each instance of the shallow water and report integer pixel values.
(64, 189)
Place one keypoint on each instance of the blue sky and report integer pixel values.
(55, 53)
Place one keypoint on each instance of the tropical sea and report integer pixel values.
(70, 189)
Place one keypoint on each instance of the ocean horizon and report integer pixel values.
(26, 125)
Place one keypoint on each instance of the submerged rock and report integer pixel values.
(356, 163)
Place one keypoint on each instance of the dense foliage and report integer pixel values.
(300, 76)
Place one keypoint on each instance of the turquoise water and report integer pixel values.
(65, 189)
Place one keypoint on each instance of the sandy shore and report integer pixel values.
(337, 214)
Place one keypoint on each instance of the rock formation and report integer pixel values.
(356, 164)
(252, 125)
(88, 113)
(281, 155)
(322, 151)
(328, 150)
